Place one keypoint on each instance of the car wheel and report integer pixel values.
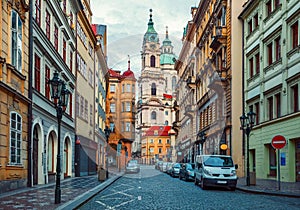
(232, 188)
(186, 178)
(180, 177)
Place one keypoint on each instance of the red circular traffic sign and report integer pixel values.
(278, 142)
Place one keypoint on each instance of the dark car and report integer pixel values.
(174, 172)
(186, 171)
(132, 167)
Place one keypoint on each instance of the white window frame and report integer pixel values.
(15, 139)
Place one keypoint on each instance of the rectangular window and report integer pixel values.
(251, 67)
(47, 85)
(295, 98)
(37, 72)
(86, 110)
(133, 88)
(270, 52)
(270, 108)
(64, 50)
(128, 107)
(65, 6)
(112, 107)
(71, 105)
(128, 90)
(16, 41)
(277, 103)
(15, 138)
(91, 114)
(159, 150)
(56, 37)
(277, 49)
(257, 63)
(71, 61)
(123, 88)
(256, 105)
(250, 26)
(295, 33)
(255, 18)
(276, 4)
(38, 12)
(48, 24)
(269, 7)
(112, 88)
(127, 126)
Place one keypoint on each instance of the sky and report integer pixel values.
(127, 20)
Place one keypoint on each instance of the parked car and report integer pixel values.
(132, 167)
(186, 171)
(163, 167)
(175, 169)
(158, 164)
(215, 171)
(169, 167)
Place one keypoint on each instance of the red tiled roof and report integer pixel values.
(158, 131)
(128, 73)
(114, 73)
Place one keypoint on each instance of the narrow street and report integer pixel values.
(151, 189)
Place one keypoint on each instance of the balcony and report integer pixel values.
(190, 81)
(217, 82)
(220, 38)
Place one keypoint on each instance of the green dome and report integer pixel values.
(167, 59)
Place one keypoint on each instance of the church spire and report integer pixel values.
(150, 24)
(167, 33)
(128, 62)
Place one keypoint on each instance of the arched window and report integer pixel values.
(153, 115)
(153, 89)
(16, 40)
(166, 122)
(152, 61)
(174, 82)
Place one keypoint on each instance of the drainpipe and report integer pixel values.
(29, 145)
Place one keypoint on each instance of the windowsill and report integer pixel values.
(273, 13)
(273, 65)
(15, 165)
(293, 51)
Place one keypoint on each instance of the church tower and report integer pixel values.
(155, 114)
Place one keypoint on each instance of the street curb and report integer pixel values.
(268, 193)
(81, 199)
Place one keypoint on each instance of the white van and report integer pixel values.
(215, 171)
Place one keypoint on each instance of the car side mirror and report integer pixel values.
(236, 166)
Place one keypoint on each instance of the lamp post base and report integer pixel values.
(57, 196)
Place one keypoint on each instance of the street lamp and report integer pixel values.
(60, 95)
(107, 133)
(201, 137)
(247, 122)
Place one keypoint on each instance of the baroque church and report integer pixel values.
(156, 96)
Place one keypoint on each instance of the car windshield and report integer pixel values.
(176, 165)
(215, 161)
(132, 164)
(190, 166)
(133, 161)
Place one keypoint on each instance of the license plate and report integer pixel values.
(221, 182)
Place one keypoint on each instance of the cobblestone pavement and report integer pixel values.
(79, 189)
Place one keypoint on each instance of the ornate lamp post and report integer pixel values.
(247, 122)
(60, 95)
(107, 133)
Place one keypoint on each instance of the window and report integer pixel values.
(152, 61)
(91, 78)
(269, 7)
(47, 85)
(153, 115)
(112, 107)
(153, 89)
(256, 105)
(277, 49)
(15, 138)
(70, 107)
(133, 88)
(16, 40)
(71, 61)
(270, 51)
(168, 141)
(48, 24)
(277, 105)
(159, 150)
(276, 4)
(37, 72)
(151, 141)
(65, 6)
(128, 88)
(173, 83)
(123, 88)
(257, 64)
(166, 122)
(127, 124)
(64, 49)
(270, 108)
(38, 12)
(112, 88)
(250, 26)
(166, 113)
(251, 67)
(255, 19)
(295, 34)
(56, 37)
(127, 106)
(91, 114)
(159, 141)
(112, 127)
(295, 98)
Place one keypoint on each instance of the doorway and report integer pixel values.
(298, 160)
(35, 155)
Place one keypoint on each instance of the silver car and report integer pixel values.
(132, 167)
